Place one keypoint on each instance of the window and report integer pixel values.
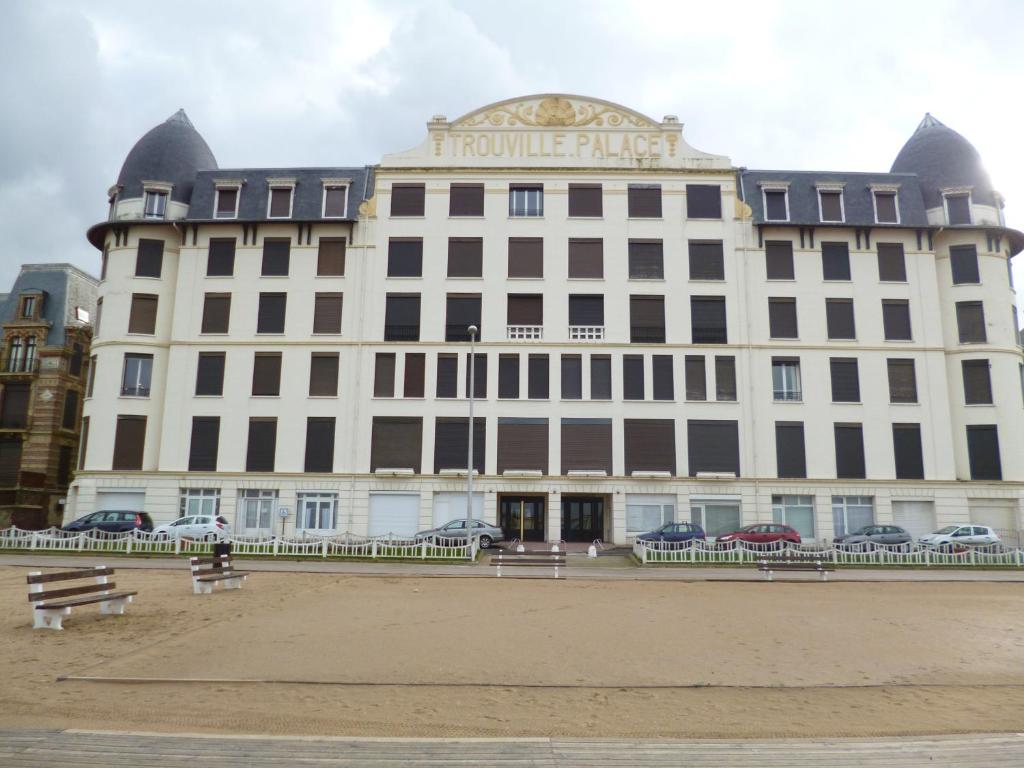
(276, 252)
(586, 311)
(719, 446)
(15, 355)
(849, 451)
(525, 257)
(384, 375)
(316, 511)
(257, 510)
(405, 257)
(104, 259)
(466, 200)
(790, 452)
(30, 353)
(786, 379)
(216, 313)
(572, 377)
(82, 445)
(142, 318)
(647, 512)
(401, 317)
(451, 444)
(782, 318)
(830, 204)
(199, 501)
(586, 446)
(525, 200)
(407, 199)
(99, 314)
(958, 208)
(522, 445)
(129, 442)
(508, 376)
(29, 306)
(703, 201)
(327, 312)
(600, 377)
(220, 258)
(448, 376)
(646, 260)
(91, 380)
(647, 319)
(839, 319)
(649, 445)
(845, 381)
(977, 382)
(210, 374)
(262, 445)
(227, 203)
(906, 442)
(963, 262)
(896, 319)
(662, 375)
(330, 258)
(644, 201)
(706, 260)
(149, 258)
(319, 444)
(465, 257)
(633, 377)
(585, 201)
(155, 204)
(779, 259)
(203, 446)
(524, 310)
(280, 204)
(14, 405)
(835, 261)
(266, 374)
(892, 265)
(696, 378)
(725, 378)
(70, 414)
(64, 465)
(461, 311)
(708, 320)
(537, 374)
(851, 513)
(323, 374)
(586, 258)
(886, 208)
(335, 201)
(136, 375)
(776, 204)
(796, 512)
(270, 316)
(970, 322)
(902, 381)
(396, 443)
(983, 452)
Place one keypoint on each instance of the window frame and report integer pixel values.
(958, 192)
(784, 189)
(525, 187)
(328, 184)
(235, 187)
(125, 391)
(831, 189)
(886, 189)
(155, 191)
(276, 184)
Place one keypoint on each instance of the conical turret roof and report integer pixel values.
(171, 152)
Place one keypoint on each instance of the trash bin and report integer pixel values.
(221, 548)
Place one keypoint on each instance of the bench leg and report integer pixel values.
(49, 619)
(201, 588)
(234, 583)
(824, 575)
(768, 575)
(115, 607)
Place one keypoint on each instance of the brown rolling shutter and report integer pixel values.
(644, 201)
(708, 320)
(270, 316)
(647, 319)
(396, 443)
(447, 376)
(525, 309)
(713, 446)
(649, 445)
(902, 381)
(983, 452)
(466, 200)
(465, 257)
(91, 378)
(407, 199)
(129, 442)
(586, 257)
(632, 377)
(508, 376)
(327, 309)
(479, 376)
(227, 203)
(977, 382)
(280, 202)
(323, 374)
(220, 260)
(461, 311)
(384, 375)
(262, 445)
(959, 209)
(790, 452)
(782, 318)
(646, 259)
(885, 208)
(202, 452)
(703, 201)
(572, 377)
(150, 258)
(143, 314)
(585, 200)
(319, 444)
(216, 312)
(525, 257)
(600, 377)
(276, 256)
(70, 414)
(839, 319)
(725, 377)
(402, 317)
(845, 381)
(849, 451)
(835, 261)
(663, 378)
(99, 314)
(210, 373)
(587, 445)
(831, 206)
(405, 257)
(778, 256)
(906, 444)
(451, 444)
(415, 372)
(707, 261)
(586, 310)
(776, 208)
(892, 266)
(522, 445)
(970, 321)
(330, 258)
(335, 200)
(537, 377)
(266, 374)
(10, 461)
(83, 444)
(963, 263)
(896, 319)
(14, 409)
(696, 378)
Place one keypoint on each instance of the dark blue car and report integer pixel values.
(674, 532)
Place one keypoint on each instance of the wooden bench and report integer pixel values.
(207, 572)
(50, 606)
(795, 563)
(529, 559)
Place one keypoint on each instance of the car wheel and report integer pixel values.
(485, 542)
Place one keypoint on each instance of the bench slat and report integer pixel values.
(222, 576)
(85, 573)
(34, 597)
(527, 564)
(210, 560)
(84, 600)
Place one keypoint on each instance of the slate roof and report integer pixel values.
(54, 281)
(171, 152)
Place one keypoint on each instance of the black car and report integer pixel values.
(111, 521)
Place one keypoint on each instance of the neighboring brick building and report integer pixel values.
(46, 334)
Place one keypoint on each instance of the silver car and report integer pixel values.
(876, 534)
(456, 529)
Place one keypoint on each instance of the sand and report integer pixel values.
(323, 654)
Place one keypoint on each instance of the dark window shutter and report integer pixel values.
(202, 453)
(892, 266)
(479, 376)
(782, 318)
(451, 444)
(384, 375)
(447, 376)
(963, 262)
(586, 258)
(647, 319)
(227, 203)
(586, 310)
(405, 257)
(522, 444)
(845, 381)
(902, 381)
(77, 355)
(646, 259)
(703, 201)
(10, 460)
(319, 444)
(276, 255)
(402, 317)
(280, 202)
(778, 256)
(849, 451)
(525, 257)
(587, 445)
(664, 379)
(327, 312)
(775, 205)
(262, 447)
(99, 314)
(14, 410)
(210, 373)
(644, 201)
(143, 314)
(906, 443)
(216, 312)
(129, 442)
(885, 208)
(220, 261)
(696, 378)
(959, 207)
(83, 445)
(839, 319)
(707, 320)
(466, 200)
(70, 409)
(270, 318)
(335, 199)
(790, 454)
(585, 200)
(396, 443)
(970, 321)
(572, 377)
(266, 374)
(633, 377)
(600, 377)
(465, 257)
(323, 374)
(725, 377)
(64, 465)
(706, 260)
(896, 319)
(415, 370)
(330, 258)
(835, 261)
(407, 199)
(525, 309)
(983, 452)
(150, 258)
(649, 445)
(537, 375)
(462, 311)
(977, 382)
(831, 206)
(508, 376)
(714, 446)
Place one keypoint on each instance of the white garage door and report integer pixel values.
(1000, 514)
(394, 513)
(918, 517)
(123, 501)
(449, 506)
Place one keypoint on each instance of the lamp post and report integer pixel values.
(469, 459)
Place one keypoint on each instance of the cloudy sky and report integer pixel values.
(801, 85)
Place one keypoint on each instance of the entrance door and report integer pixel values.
(582, 518)
(531, 527)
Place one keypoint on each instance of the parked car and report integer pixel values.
(112, 521)
(963, 533)
(195, 527)
(762, 533)
(876, 534)
(456, 529)
(674, 532)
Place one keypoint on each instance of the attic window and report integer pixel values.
(335, 203)
(156, 204)
(226, 205)
(830, 204)
(29, 307)
(776, 202)
(279, 203)
(887, 210)
(958, 207)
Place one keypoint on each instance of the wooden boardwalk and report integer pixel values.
(95, 748)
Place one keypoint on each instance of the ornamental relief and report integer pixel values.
(555, 111)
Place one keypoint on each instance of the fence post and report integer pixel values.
(81, 542)
(373, 548)
(128, 546)
(35, 538)
(323, 547)
(275, 546)
(177, 545)
(423, 549)
(927, 557)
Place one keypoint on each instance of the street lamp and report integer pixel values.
(469, 459)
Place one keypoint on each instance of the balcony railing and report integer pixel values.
(401, 333)
(459, 332)
(19, 364)
(586, 333)
(525, 332)
(647, 334)
(789, 394)
(135, 391)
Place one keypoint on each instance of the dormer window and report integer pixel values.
(29, 307)
(830, 203)
(226, 204)
(958, 206)
(279, 203)
(335, 203)
(156, 204)
(776, 202)
(886, 203)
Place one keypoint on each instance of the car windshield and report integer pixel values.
(949, 529)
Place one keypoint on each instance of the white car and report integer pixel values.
(195, 527)
(977, 535)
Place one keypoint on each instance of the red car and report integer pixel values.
(762, 533)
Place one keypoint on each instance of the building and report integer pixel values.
(46, 334)
(662, 335)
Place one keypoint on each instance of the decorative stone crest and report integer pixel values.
(555, 111)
